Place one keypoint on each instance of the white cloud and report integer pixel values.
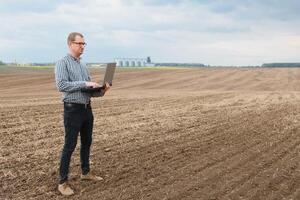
(212, 32)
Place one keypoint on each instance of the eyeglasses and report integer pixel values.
(80, 43)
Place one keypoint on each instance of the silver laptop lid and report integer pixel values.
(109, 73)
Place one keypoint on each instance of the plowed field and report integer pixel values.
(220, 133)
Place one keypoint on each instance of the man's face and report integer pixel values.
(77, 46)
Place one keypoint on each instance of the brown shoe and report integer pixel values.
(65, 189)
(91, 177)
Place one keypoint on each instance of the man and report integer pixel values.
(71, 76)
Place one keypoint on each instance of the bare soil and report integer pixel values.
(220, 133)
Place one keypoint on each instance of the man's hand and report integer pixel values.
(106, 87)
(92, 84)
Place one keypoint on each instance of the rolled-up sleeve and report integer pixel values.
(62, 79)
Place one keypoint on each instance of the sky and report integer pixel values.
(212, 32)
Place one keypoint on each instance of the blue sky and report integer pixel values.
(232, 32)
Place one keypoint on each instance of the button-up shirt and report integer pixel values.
(70, 76)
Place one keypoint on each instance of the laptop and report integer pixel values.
(108, 77)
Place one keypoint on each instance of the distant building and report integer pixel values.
(96, 65)
(148, 59)
(133, 62)
(146, 62)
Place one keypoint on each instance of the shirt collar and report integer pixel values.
(73, 58)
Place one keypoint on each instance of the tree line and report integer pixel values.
(281, 65)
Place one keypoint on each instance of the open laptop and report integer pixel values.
(108, 77)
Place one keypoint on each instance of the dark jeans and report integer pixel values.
(77, 118)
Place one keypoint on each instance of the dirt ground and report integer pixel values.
(220, 133)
